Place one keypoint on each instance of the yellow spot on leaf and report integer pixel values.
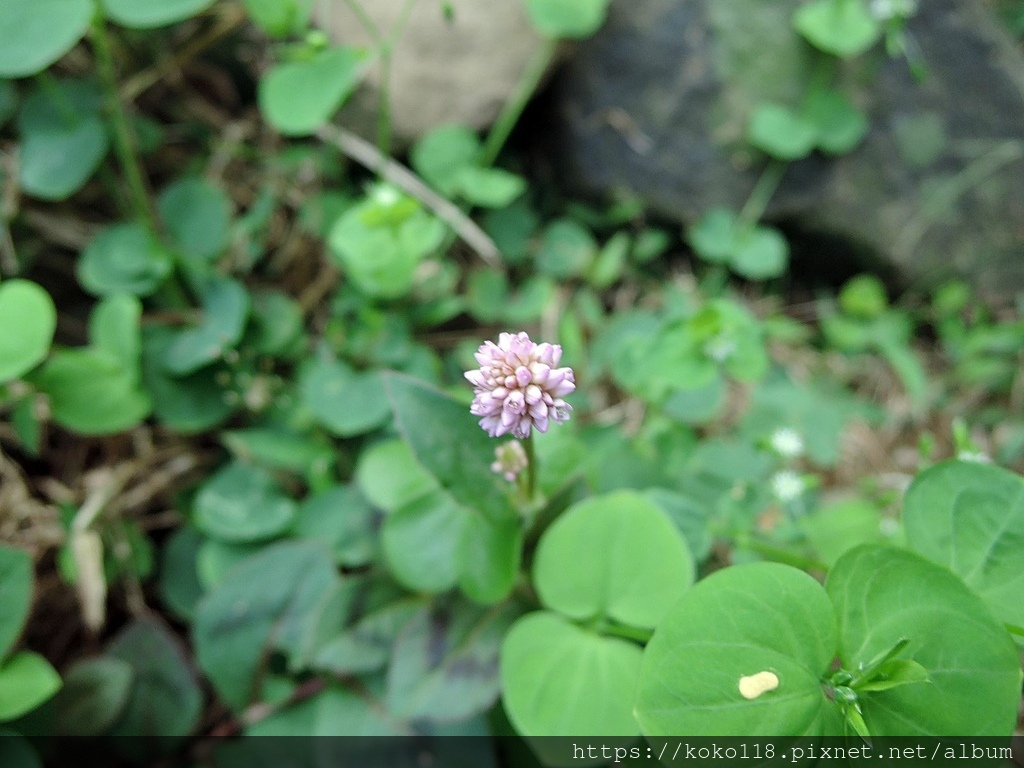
(753, 686)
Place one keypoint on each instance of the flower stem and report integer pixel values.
(513, 108)
(124, 143)
(531, 468)
(762, 193)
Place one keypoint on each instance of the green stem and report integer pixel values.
(385, 49)
(367, 23)
(1013, 629)
(531, 468)
(762, 193)
(780, 555)
(124, 144)
(629, 633)
(513, 108)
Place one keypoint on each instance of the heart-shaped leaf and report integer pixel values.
(737, 623)
(344, 401)
(841, 27)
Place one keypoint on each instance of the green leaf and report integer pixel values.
(186, 404)
(489, 187)
(146, 14)
(124, 258)
(242, 503)
(33, 35)
(8, 101)
(390, 477)
(15, 595)
(837, 528)
(197, 216)
(560, 680)
(444, 664)
(94, 695)
(279, 18)
(840, 27)
(225, 311)
(179, 585)
(344, 401)
(166, 701)
(443, 154)
(278, 323)
(298, 97)
(420, 542)
(381, 258)
(567, 250)
(341, 518)
(738, 623)
(26, 681)
(616, 556)
(839, 125)
(279, 448)
(780, 132)
(114, 327)
(215, 559)
(367, 645)
(29, 308)
(448, 443)
(567, 18)
(713, 237)
(90, 392)
(63, 139)
(489, 555)
(760, 253)
(882, 595)
(969, 517)
(246, 616)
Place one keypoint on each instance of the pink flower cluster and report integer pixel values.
(519, 386)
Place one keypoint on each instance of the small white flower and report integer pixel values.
(720, 348)
(787, 442)
(888, 527)
(978, 457)
(787, 485)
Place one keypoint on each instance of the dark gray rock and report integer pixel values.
(657, 103)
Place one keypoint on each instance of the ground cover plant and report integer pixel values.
(306, 434)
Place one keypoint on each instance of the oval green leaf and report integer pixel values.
(146, 14)
(26, 681)
(124, 258)
(242, 503)
(298, 97)
(15, 595)
(29, 308)
(969, 517)
(616, 556)
(35, 33)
